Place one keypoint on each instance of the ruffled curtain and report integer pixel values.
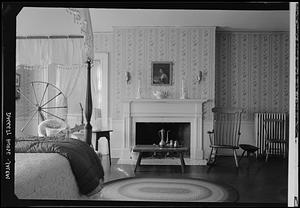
(72, 81)
(60, 51)
(65, 57)
(66, 80)
(62, 57)
(32, 52)
(83, 18)
(41, 52)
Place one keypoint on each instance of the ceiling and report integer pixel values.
(56, 21)
(225, 19)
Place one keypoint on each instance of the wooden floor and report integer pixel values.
(255, 180)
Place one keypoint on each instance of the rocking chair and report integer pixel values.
(226, 132)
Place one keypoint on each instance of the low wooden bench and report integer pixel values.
(155, 148)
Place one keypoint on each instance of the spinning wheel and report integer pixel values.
(44, 101)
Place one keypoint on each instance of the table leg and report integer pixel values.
(97, 138)
(182, 162)
(107, 136)
(108, 140)
(242, 155)
(138, 162)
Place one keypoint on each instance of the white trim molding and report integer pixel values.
(164, 110)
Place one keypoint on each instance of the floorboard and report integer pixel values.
(255, 180)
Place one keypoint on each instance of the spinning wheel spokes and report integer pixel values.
(44, 93)
(25, 97)
(29, 121)
(34, 93)
(26, 113)
(40, 91)
(55, 107)
(51, 99)
(54, 115)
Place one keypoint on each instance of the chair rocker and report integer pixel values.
(226, 132)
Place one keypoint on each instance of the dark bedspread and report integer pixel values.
(84, 162)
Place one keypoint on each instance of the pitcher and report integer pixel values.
(167, 140)
(162, 135)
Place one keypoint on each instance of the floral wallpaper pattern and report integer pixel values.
(252, 71)
(103, 42)
(191, 49)
(252, 68)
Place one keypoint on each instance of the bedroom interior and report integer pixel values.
(107, 76)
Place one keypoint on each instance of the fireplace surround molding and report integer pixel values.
(164, 110)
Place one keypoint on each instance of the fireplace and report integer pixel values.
(182, 116)
(147, 133)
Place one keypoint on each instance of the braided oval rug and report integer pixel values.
(168, 189)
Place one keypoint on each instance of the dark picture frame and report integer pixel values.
(161, 73)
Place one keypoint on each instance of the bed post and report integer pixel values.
(88, 106)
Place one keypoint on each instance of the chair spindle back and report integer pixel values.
(227, 124)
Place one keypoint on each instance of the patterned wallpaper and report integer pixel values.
(252, 71)
(103, 42)
(191, 49)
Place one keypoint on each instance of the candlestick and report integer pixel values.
(138, 95)
(183, 95)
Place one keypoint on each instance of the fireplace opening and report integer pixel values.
(147, 133)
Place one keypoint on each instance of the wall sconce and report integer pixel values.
(127, 77)
(199, 77)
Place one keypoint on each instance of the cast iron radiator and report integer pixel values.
(260, 132)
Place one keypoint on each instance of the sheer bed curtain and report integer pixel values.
(72, 81)
(61, 61)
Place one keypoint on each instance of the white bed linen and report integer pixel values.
(46, 176)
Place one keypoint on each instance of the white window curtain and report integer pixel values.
(64, 58)
(66, 79)
(72, 81)
(32, 52)
(65, 67)
(65, 51)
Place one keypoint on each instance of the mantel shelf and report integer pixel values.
(166, 100)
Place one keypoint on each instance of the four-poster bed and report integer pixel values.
(60, 167)
(36, 157)
(88, 105)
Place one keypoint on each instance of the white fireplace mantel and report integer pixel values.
(164, 110)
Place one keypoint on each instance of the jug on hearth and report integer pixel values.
(162, 135)
(167, 139)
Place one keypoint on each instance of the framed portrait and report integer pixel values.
(161, 73)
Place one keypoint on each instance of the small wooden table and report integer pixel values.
(106, 134)
(154, 148)
(250, 149)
